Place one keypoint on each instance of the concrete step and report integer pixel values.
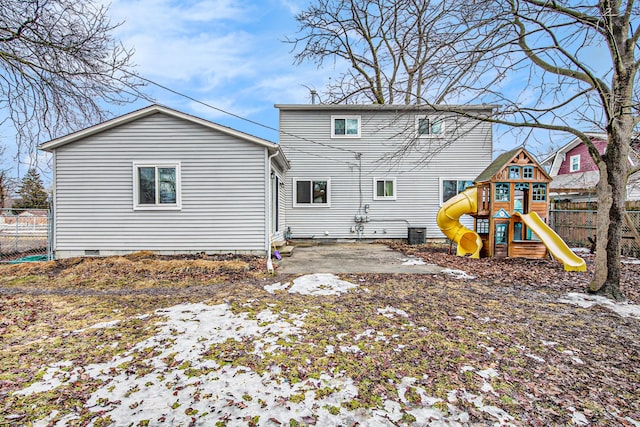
(285, 251)
(279, 243)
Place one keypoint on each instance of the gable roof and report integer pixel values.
(155, 109)
(502, 160)
(555, 159)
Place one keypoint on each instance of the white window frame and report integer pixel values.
(571, 168)
(341, 117)
(311, 204)
(441, 181)
(385, 180)
(431, 119)
(156, 206)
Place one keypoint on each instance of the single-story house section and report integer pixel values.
(378, 171)
(161, 180)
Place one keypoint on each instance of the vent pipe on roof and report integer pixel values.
(313, 96)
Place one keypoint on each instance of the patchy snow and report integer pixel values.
(276, 287)
(413, 261)
(457, 274)
(585, 301)
(320, 284)
(577, 417)
(182, 382)
(626, 260)
(536, 358)
(581, 250)
(390, 312)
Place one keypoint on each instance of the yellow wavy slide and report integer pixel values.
(468, 241)
(553, 242)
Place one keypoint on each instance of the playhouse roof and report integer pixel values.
(503, 160)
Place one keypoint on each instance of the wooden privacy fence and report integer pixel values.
(576, 222)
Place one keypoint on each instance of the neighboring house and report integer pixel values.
(375, 171)
(161, 180)
(575, 174)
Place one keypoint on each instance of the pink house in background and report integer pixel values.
(575, 175)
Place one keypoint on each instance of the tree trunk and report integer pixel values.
(611, 192)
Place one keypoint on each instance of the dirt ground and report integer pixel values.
(501, 346)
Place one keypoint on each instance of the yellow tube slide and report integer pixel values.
(468, 241)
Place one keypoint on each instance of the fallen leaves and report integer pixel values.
(496, 348)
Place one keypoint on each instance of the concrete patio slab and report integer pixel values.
(352, 258)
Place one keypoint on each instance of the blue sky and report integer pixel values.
(226, 53)
(230, 54)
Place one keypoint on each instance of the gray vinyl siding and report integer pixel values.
(222, 183)
(305, 138)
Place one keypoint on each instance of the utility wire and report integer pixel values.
(191, 98)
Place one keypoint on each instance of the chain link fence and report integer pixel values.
(25, 234)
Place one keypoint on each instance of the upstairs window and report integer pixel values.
(345, 126)
(574, 163)
(502, 192)
(311, 192)
(429, 126)
(384, 189)
(156, 186)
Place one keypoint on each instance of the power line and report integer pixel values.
(237, 116)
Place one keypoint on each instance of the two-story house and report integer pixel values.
(575, 174)
(377, 171)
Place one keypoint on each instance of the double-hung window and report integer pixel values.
(384, 189)
(429, 126)
(345, 126)
(156, 185)
(452, 187)
(574, 163)
(311, 192)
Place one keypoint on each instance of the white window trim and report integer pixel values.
(310, 205)
(333, 126)
(375, 189)
(571, 169)
(431, 135)
(157, 207)
(442, 179)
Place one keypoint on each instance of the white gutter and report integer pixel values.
(268, 211)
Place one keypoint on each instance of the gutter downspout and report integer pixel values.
(268, 211)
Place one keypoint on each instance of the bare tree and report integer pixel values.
(59, 67)
(555, 65)
(393, 48)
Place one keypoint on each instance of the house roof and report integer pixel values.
(580, 182)
(501, 161)
(272, 147)
(497, 165)
(386, 107)
(555, 159)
